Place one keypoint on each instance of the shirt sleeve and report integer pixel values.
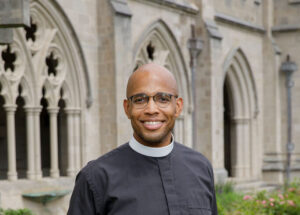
(214, 204)
(214, 201)
(82, 200)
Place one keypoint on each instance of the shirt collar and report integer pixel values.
(151, 151)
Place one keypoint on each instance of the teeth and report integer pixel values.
(152, 122)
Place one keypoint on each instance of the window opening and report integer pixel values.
(52, 64)
(30, 31)
(21, 143)
(45, 136)
(9, 59)
(62, 138)
(3, 141)
(150, 51)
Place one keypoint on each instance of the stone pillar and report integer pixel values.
(210, 117)
(30, 142)
(37, 142)
(54, 171)
(71, 142)
(11, 137)
(123, 59)
(240, 149)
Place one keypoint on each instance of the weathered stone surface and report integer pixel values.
(213, 29)
(6, 35)
(121, 7)
(237, 21)
(14, 13)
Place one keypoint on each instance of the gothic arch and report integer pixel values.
(157, 44)
(46, 56)
(236, 66)
(241, 95)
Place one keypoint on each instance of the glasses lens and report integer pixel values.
(139, 101)
(162, 99)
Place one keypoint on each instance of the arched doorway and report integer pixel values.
(240, 116)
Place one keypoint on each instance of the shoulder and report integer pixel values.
(192, 156)
(100, 167)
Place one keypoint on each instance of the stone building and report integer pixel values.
(63, 79)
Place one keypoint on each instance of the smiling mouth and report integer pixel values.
(152, 125)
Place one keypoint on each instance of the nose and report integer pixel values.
(151, 107)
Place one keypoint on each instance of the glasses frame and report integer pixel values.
(153, 97)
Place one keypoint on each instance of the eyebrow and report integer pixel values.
(142, 94)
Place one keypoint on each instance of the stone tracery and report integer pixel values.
(36, 60)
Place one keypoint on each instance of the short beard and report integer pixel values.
(152, 141)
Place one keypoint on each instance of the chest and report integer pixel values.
(163, 186)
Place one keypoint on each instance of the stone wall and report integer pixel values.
(244, 10)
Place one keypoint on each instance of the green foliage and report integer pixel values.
(224, 188)
(280, 202)
(15, 212)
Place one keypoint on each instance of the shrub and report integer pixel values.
(15, 212)
(280, 202)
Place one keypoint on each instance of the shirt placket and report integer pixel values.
(166, 173)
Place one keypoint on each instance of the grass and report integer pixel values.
(285, 201)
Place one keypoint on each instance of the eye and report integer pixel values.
(139, 99)
(163, 98)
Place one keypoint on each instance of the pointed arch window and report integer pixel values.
(42, 98)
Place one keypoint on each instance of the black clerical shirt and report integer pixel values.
(124, 182)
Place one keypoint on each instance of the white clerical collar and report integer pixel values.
(151, 151)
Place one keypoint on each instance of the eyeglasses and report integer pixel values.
(141, 100)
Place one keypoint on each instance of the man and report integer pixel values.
(152, 174)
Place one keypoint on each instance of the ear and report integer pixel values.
(126, 108)
(179, 106)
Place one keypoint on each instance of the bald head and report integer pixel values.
(149, 74)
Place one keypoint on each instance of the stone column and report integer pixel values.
(30, 142)
(37, 142)
(54, 171)
(122, 68)
(240, 153)
(71, 142)
(11, 141)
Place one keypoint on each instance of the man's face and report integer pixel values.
(152, 124)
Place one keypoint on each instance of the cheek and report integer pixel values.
(134, 115)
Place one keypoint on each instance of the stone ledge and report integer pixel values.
(213, 29)
(235, 21)
(294, 1)
(257, 2)
(14, 13)
(176, 4)
(279, 168)
(285, 28)
(121, 7)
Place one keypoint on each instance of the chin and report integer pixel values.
(153, 140)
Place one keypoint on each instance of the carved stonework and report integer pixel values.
(35, 60)
(154, 51)
(12, 69)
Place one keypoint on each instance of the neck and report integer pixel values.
(166, 141)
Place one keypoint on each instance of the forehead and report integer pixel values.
(150, 83)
